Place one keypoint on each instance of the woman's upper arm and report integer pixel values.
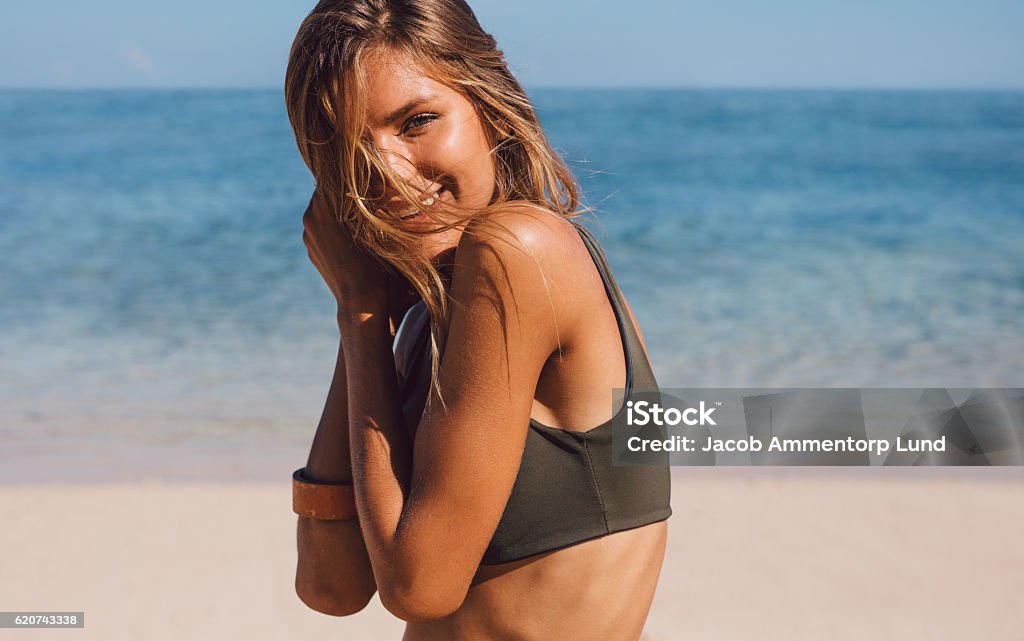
(502, 331)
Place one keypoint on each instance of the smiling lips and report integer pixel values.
(414, 213)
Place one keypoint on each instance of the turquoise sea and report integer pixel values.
(154, 282)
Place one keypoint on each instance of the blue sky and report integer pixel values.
(598, 43)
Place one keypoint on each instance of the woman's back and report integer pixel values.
(590, 584)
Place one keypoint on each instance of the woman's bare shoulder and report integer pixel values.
(539, 232)
(539, 255)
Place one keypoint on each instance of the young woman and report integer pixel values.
(462, 469)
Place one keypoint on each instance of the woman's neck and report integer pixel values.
(445, 263)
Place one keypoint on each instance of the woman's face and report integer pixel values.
(433, 139)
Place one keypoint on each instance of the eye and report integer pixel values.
(419, 121)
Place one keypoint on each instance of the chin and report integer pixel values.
(440, 248)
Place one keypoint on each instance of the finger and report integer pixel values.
(309, 240)
(313, 251)
(307, 218)
(318, 264)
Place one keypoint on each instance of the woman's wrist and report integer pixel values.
(327, 472)
(361, 313)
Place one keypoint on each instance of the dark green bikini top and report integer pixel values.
(566, 491)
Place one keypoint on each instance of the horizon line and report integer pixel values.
(545, 87)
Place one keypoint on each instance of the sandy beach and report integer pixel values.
(751, 555)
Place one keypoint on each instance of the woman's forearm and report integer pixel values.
(329, 460)
(334, 575)
(381, 457)
(381, 449)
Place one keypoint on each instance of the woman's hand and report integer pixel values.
(351, 273)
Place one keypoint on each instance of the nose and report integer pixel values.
(403, 163)
(403, 166)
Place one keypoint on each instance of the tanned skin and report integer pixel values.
(533, 335)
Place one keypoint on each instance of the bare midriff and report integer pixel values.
(599, 589)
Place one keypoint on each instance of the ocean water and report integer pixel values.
(153, 277)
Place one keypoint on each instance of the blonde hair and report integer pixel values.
(325, 96)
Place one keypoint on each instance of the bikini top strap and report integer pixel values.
(636, 348)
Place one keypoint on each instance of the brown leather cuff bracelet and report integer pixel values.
(322, 501)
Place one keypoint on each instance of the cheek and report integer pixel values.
(463, 151)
